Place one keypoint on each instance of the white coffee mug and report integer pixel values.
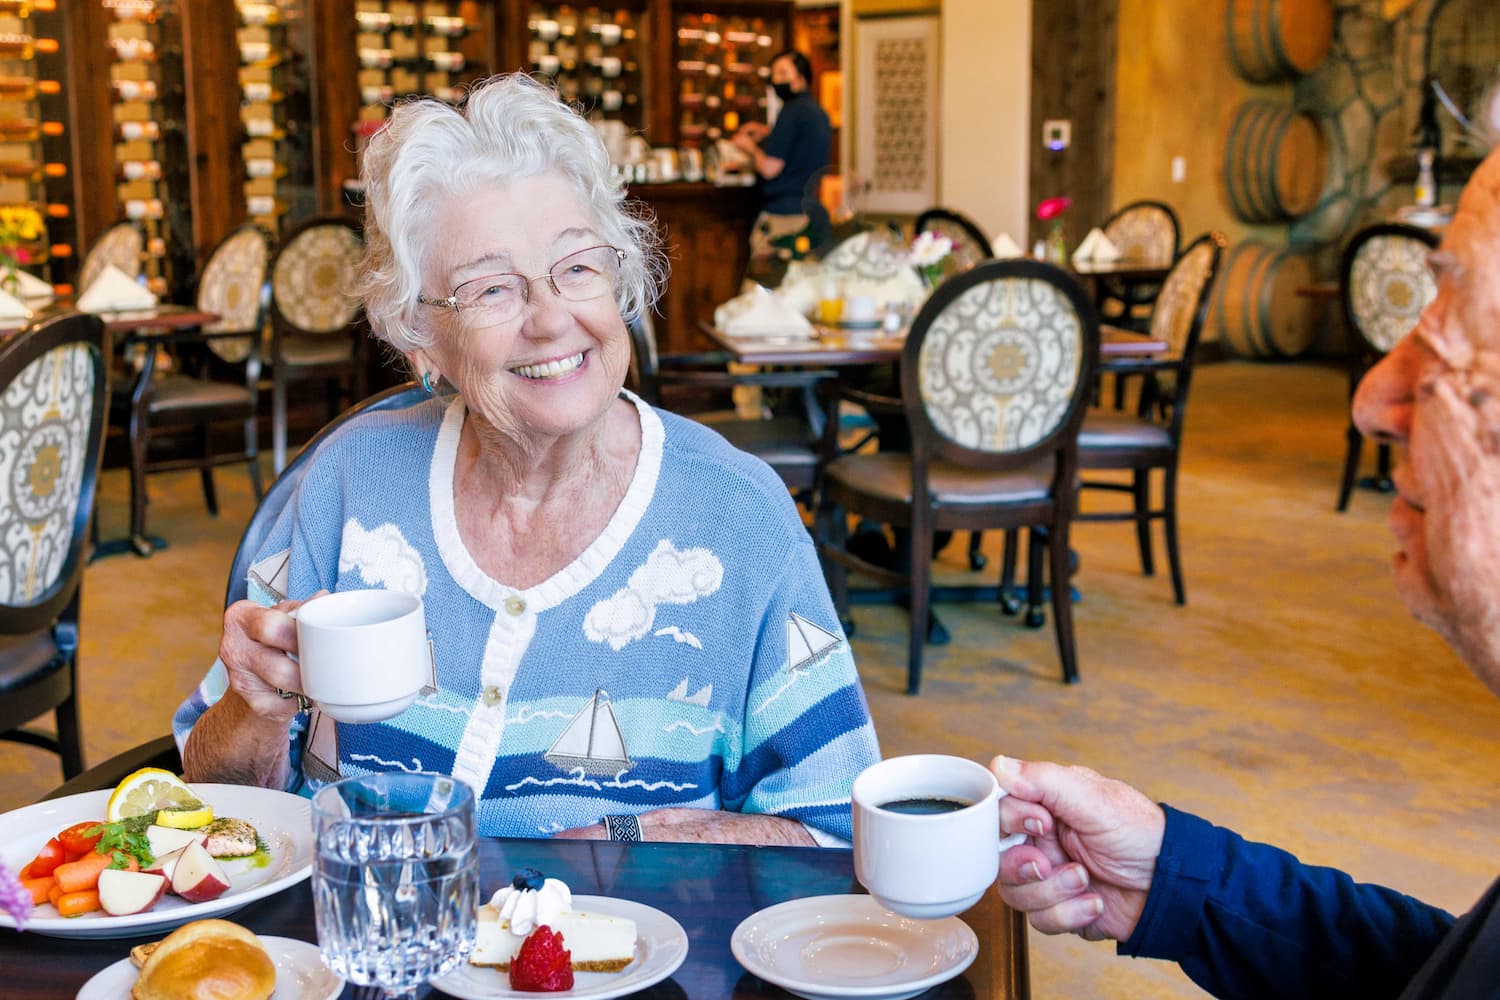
(927, 840)
(609, 34)
(547, 30)
(610, 66)
(363, 653)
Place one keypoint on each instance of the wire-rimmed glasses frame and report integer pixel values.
(590, 273)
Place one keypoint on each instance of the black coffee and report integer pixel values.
(924, 807)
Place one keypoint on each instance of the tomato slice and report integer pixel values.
(76, 840)
(49, 857)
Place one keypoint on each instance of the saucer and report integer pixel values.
(827, 947)
(873, 323)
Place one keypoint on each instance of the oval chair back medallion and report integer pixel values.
(313, 275)
(1387, 283)
(1000, 364)
(51, 419)
(121, 245)
(231, 287)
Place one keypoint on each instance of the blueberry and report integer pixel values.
(528, 878)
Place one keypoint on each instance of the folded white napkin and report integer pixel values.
(759, 313)
(1003, 247)
(34, 289)
(1096, 248)
(903, 288)
(113, 291)
(11, 309)
(803, 286)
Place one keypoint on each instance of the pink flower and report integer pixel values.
(1051, 208)
(14, 898)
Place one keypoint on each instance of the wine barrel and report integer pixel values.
(1275, 162)
(1256, 308)
(1278, 39)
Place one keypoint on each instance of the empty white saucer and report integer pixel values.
(825, 947)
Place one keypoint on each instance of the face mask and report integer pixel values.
(784, 91)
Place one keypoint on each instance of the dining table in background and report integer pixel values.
(707, 888)
(834, 347)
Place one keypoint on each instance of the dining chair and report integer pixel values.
(788, 440)
(316, 326)
(122, 245)
(970, 245)
(1141, 230)
(215, 379)
(1384, 285)
(994, 379)
(53, 407)
(1151, 438)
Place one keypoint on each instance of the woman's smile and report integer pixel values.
(544, 371)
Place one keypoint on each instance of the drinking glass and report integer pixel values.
(395, 878)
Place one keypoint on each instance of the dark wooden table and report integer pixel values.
(708, 889)
(1128, 270)
(838, 348)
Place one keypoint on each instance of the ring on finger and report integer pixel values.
(303, 704)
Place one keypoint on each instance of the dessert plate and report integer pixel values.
(826, 947)
(282, 820)
(660, 947)
(300, 974)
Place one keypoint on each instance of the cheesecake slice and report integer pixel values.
(597, 943)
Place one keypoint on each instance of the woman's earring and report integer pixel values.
(427, 382)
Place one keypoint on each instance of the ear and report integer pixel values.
(420, 362)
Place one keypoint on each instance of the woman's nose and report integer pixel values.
(1383, 402)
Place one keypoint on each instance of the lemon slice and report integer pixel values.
(185, 818)
(148, 790)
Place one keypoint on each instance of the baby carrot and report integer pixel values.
(76, 876)
(54, 892)
(71, 904)
(38, 888)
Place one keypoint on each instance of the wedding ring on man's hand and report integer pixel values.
(302, 703)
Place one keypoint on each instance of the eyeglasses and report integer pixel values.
(496, 299)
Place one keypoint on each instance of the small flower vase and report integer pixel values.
(1057, 246)
(932, 276)
(9, 281)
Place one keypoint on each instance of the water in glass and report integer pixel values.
(396, 878)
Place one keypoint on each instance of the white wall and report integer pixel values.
(985, 121)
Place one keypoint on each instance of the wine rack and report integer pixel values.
(33, 140)
(596, 54)
(408, 47)
(275, 111)
(723, 65)
(150, 149)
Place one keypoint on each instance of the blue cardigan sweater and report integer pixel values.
(690, 656)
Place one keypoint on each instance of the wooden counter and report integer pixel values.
(705, 232)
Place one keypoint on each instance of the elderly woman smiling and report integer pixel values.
(579, 554)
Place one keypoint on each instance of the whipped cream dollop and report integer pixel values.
(527, 909)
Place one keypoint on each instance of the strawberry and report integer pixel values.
(542, 965)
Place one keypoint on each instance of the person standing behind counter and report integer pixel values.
(788, 155)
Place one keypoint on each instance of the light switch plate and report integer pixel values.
(1179, 169)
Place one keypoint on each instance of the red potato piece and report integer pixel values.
(165, 865)
(125, 892)
(165, 840)
(198, 877)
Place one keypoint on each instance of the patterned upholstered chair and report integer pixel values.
(216, 379)
(994, 378)
(316, 327)
(970, 245)
(53, 407)
(121, 245)
(1151, 438)
(1385, 286)
(1141, 230)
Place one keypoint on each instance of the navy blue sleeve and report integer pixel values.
(1250, 920)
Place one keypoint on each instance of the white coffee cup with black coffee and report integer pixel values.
(927, 839)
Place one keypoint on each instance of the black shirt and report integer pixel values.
(801, 138)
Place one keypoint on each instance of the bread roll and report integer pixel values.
(207, 960)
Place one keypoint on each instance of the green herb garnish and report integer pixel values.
(127, 836)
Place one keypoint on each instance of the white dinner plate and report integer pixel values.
(283, 820)
(850, 946)
(300, 974)
(660, 946)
